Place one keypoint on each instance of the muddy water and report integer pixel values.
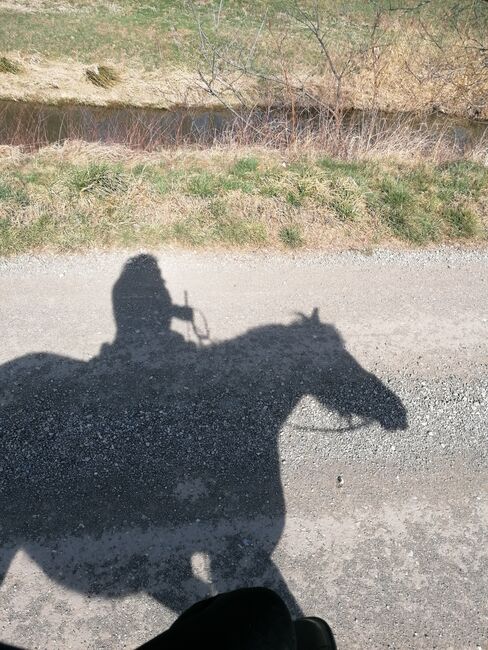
(36, 125)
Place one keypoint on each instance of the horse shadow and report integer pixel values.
(123, 473)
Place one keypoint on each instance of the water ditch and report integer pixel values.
(33, 126)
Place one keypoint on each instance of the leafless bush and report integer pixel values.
(403, 55)
(225, 63)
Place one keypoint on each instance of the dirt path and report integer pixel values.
(148, 461)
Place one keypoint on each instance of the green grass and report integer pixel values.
(462, 220)
(96, 178)
(216, 224)
(164, 33)
(344, 209)
(66, 206)
(6, 191)
(154, 33)
(204, 185)
(245, 166)
(291, 236)
(12, 192)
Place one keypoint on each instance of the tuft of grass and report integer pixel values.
(154, 177)
(462, 221)
(397, 205)
(344, 209)
(294, 199)
(396, 194)
(217, 225)
(218, 209)
(461, 178)
(189, 231)
(245, 166)
(9, 66)
(17, 195)
(97, 178)
(291, 236)
(200, 231)
(203, 184)
(301, 184)
(228, 229)
(242, 183)
(239, 232)
(6, 191)
(356, 170)
(102, 76)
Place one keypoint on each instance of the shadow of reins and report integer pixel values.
(203, 336)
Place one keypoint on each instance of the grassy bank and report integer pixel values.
(407, 55)
(81, 197)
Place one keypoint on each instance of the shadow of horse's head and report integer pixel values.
(313, 354)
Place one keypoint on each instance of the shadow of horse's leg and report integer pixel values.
(6, 556)
(179, 588)
(251, 568)
(279, 584)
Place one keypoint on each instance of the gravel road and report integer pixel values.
(179, 424)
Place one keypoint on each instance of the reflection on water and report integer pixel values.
(35, 125)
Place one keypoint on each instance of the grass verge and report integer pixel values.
(76, 198)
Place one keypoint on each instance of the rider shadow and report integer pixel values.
(155, 466)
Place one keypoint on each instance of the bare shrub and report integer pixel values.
(401, 55)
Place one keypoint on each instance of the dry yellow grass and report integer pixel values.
(57, 6)
(9, 66)
(58, 82)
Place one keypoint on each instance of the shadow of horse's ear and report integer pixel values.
(314, 319)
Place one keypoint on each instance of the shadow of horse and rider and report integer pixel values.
(160, 434)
